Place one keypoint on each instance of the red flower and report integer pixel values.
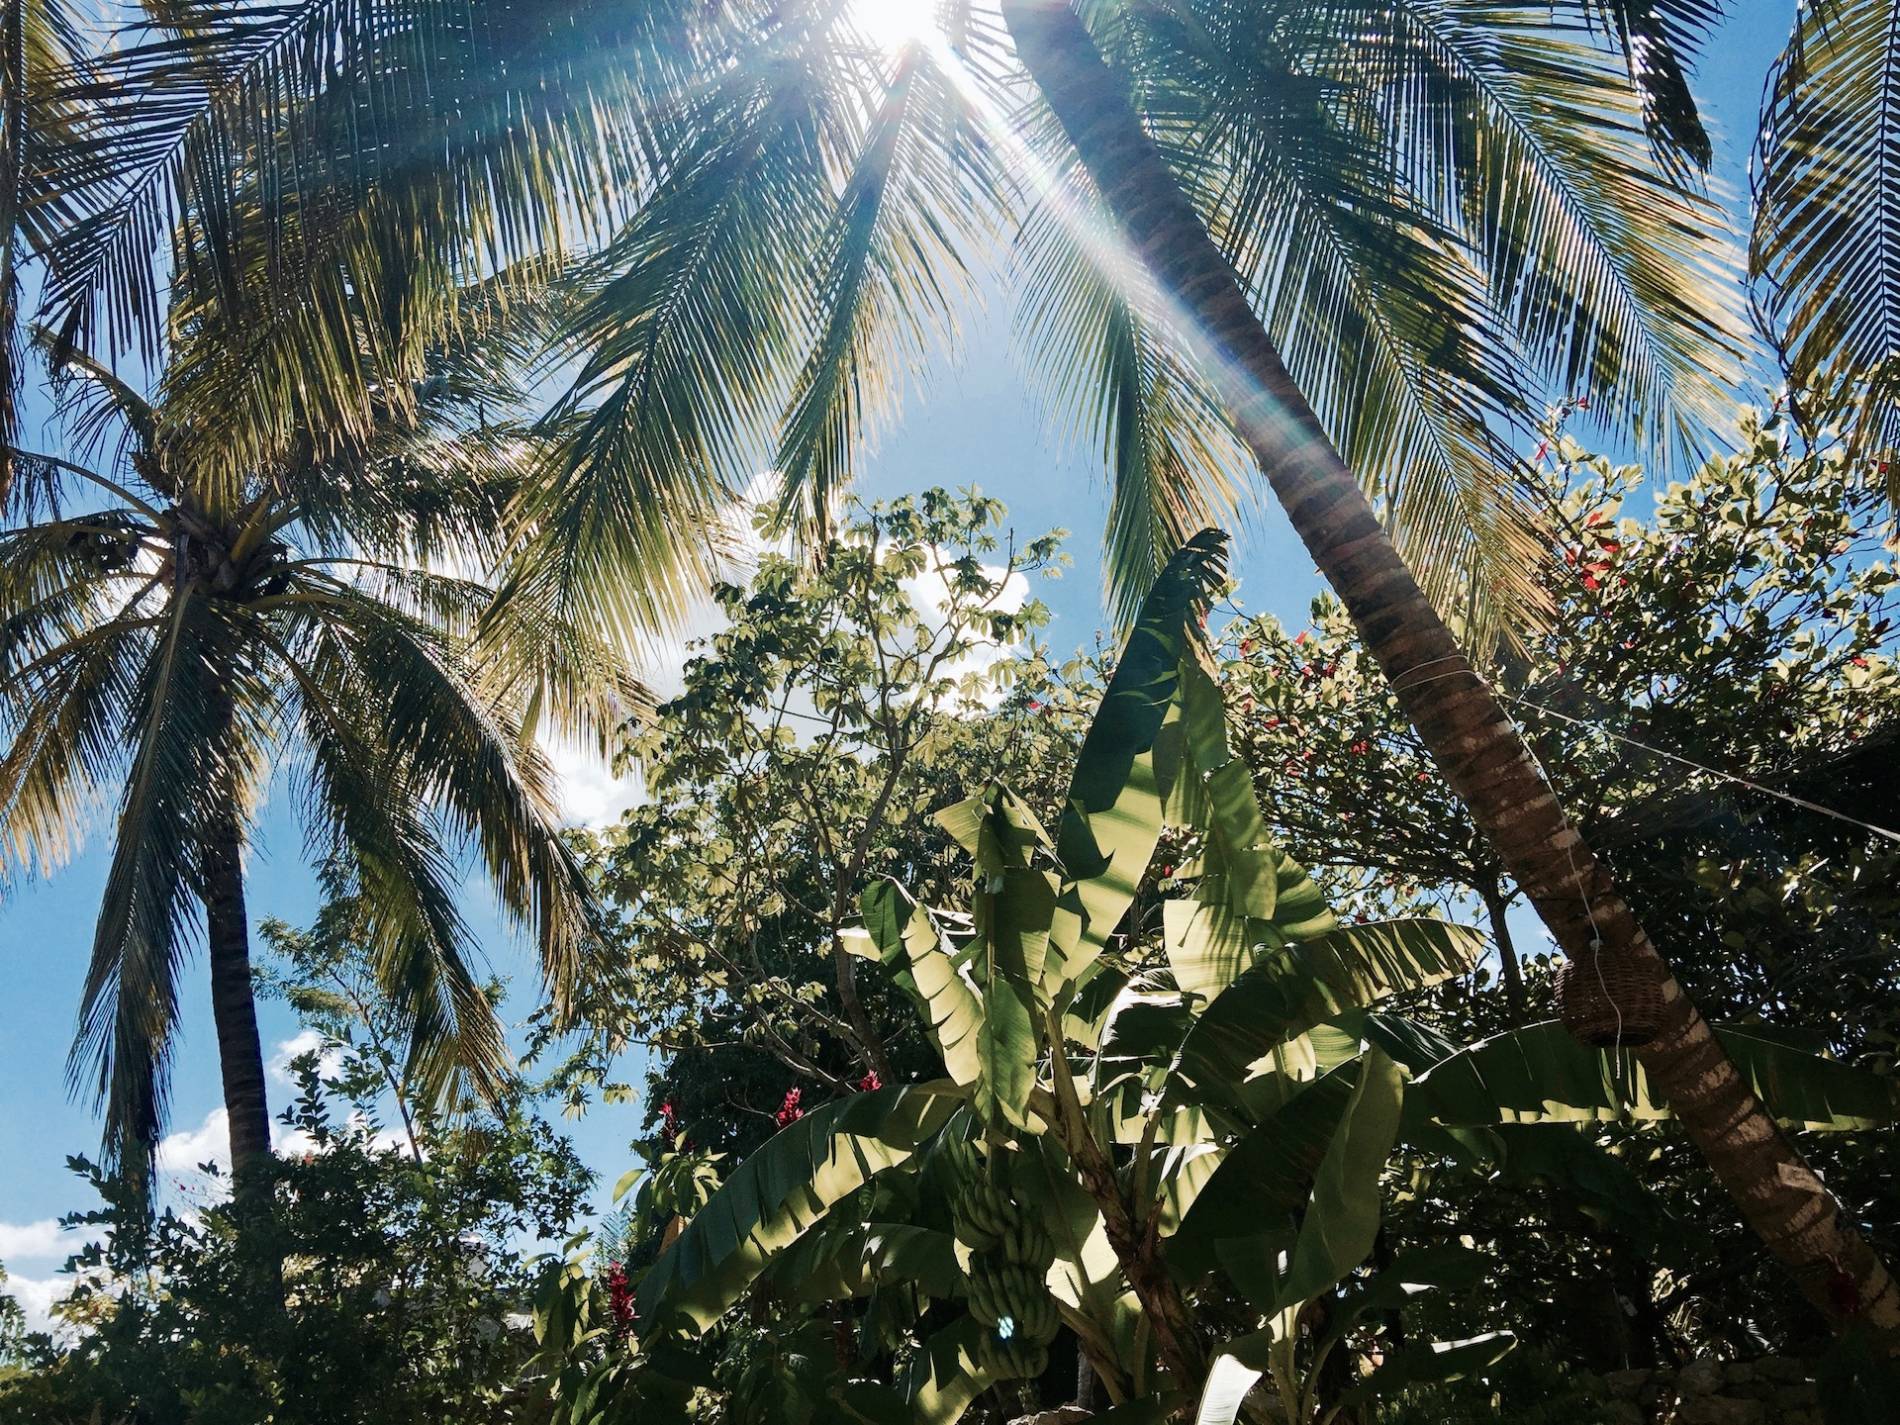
(1302, 638)
(870, 1083)
(1858, 661)
(789, 1112)
(1246, 645)
(1034, 706)
(1360, 748)
(620, 1301)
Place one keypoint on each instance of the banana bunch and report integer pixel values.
(981, 1211)
(1009, 1360)
(1010, 1253)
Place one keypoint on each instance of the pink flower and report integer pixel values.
(789, 1112)
(870, 1083)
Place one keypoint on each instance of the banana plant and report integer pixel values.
(1170, 1095)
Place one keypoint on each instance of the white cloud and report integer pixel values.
(591, 795)
(36, 1296)
(209, 1142)
(306, 1041)
(33, 1241)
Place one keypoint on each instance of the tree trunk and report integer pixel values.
(233, 1002)
(1477, 747)
(1509, 968)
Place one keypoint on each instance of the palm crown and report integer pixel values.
(1444, 212)
(177, 639)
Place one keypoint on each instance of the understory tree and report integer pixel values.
(386, 1277)
(1169, 1110)
(839, 702)
(1716, 697)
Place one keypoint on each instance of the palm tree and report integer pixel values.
(1479, 749)
(180, 637)
(1826, 250)
(1392, 223)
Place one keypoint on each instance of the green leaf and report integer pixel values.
(1293, 988)
(1234, 1373)
(944, 1377)
(779, 1192)
(1012, 936)
(949, 1002)
(1267, 1177)
(1541, 1073)
(1130, 757)
(1342, 1220)
(833, 1266)
(1431, 1363)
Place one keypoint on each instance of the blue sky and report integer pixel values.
(970, 425)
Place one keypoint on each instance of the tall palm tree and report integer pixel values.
(1477, 746)
(180, 639)
(1826, 250)
(1398, 223)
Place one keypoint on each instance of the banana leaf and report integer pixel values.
(778, 1193)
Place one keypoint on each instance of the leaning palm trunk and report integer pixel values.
(1477, 747)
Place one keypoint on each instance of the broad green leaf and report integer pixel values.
(1086, 1274)
(1012, 935)
(831, 1266)
(1290, 990)
(1131, 757)
(995, 827)
(1431, 1363)
(1541, 1073)
(944, 1377)
(1267, 1177)
(778, 1193)
(1234, 1373)
(950, 1004)
(1342, 1219)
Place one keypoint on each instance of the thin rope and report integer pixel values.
(1885, 832)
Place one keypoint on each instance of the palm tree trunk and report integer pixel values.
(1477, 747)
(233, 1001)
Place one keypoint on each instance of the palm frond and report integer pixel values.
(361, 813)
(273, 158)
(1107, 364)
(1660, 40)
(892, 270)
(1826, 249)
(449, 748)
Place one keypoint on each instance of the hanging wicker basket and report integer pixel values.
(1611, 1000)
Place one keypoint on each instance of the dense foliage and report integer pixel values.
(1171, 1127)
(388, 1280)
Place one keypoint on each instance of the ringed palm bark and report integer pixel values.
(1477, 746)
(173, 638)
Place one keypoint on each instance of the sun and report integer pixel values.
(892, 24)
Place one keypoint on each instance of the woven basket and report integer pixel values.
(1611, 1000)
